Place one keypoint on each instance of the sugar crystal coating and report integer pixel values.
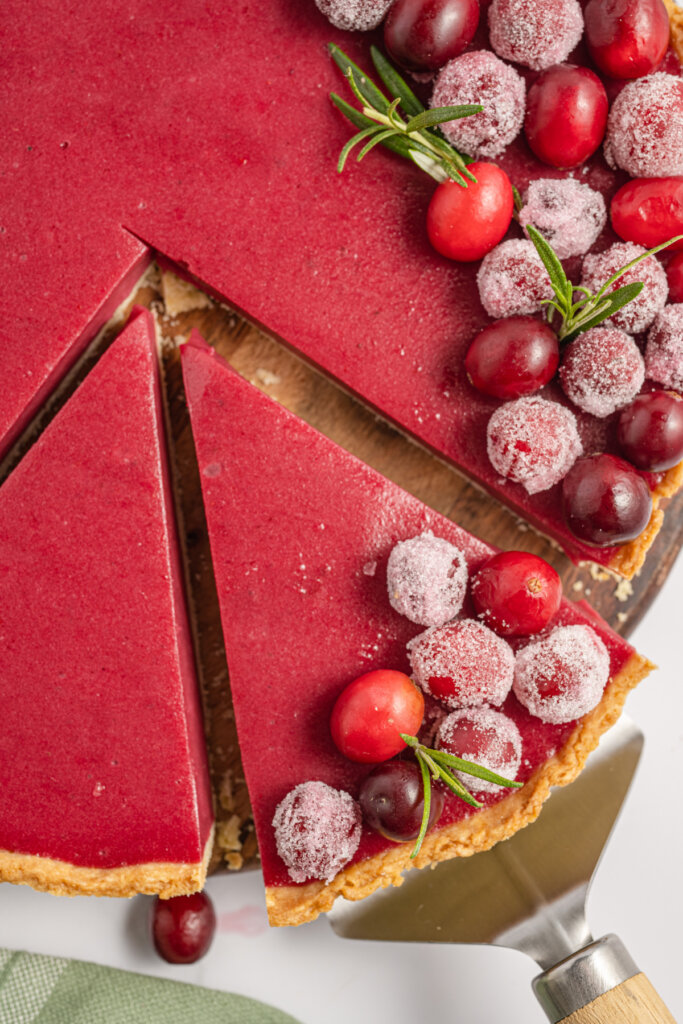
(487, 737)
(535, 33)
(533, 442)
(480, 77)
(317, 831)
(602, 370)
(568, 214)
(562, 677)
(512, 280)
(463, 664)
(427, 579)
(638, 314)
(645, 127)
(664, 349)
(354, 15)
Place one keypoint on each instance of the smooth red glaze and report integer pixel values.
(372, 711)
(674, 276)
(513, 357)
(516, 593)
(423, 35)
(466, 223)
(650, 431)
(605, 501)
(392, 801)
(183, 927)
(649, 211)
(566, 115)
(627, 38)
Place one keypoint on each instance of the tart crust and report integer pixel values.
(630, 557)
(676, 19)
(292, 905)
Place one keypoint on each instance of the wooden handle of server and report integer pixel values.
(633, 1002)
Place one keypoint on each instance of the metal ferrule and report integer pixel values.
(583, 977)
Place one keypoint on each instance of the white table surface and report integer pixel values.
(322, 979)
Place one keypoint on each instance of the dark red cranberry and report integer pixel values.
(392, 801)
(566, 115)
(650, 431)
(423, 35)
(516, 593)
(183, 927)
(674, 275)
(605, 501)
(649, 211)
(512, 357)
(627, 38)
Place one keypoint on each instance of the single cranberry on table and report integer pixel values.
(372, 711)
(649, 211)
(423, 35)
(516, 593)
(605, 500)
(674, 276)
(627, 38)
(466, 223)
(566, 115)
(650, 431)
(513, 357)
(392, 801)
(183, 927)
(645, 127)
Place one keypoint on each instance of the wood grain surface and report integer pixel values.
(633, 1002)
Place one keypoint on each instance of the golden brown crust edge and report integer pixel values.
(630, 557)
(293, 905)
(676, 19)
(164, 879)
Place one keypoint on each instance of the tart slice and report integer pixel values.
(300, 535)
(105, 787)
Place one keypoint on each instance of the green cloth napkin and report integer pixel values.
(48, 990)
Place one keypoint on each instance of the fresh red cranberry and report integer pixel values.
(513, 357)
(650, 431)
(183, 927)
(423, 35)
(649, 211)
(674, 275)
(466, 223)
(372, 711)
(566, 115)
(392, 801)
(605, 501)
(516, 593)
(627, 38)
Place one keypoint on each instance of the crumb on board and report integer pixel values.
(181, 296)
(623, 590)
(577, 585)
(266, 378)
(226, 793)
(622, 616)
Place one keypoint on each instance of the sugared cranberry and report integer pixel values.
(317, 831)
(466, 223)
(562, 677)
(183, 927)
(664, 348)
(371, 712)
(423, 35)
(568, 214)
(512, 280)
(645, 127)
(486, 737)
(602, 370)
(392, 801)
(627, 38)
(566, 115)
(638, 314)
(535, 33)
(650, 431)
(605, 501)
(427, 579)
(674, 275)
(516, 593)
(354, 15)
(533, 442)
(463, 664)
(512, 357)
(649, 211)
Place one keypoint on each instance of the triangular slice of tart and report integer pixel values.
(300, 535)
(105, 788)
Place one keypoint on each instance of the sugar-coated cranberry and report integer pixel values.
(627, 38)
(638, 314)
(317, 831)
(535, 33)
(602, 370)
(562, 677)
(486, 737)
(645, 127)
(427, 579)
(533, 442)
(605, 501)
(423, 35)
(516, 593)
(466, 223)
(649, 211)
(664, 348)
(481, 77)
(183, 927)
(674, 275)
(512, 280)
(650, 431)
(566, 115)
(354, 15)
(392, 801)
(463, 664)
(569, 214)
(513, 357)
(372, 711)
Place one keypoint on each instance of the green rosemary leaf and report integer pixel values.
(380, 137)
(605, 309)
(395, 84)
(470, 768)
(427, 789)
(364, 85)
(397, 144)
(517, 199)
(556, 273)
(456, 786)
(373, 130)
(439, 115)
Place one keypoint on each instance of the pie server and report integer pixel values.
(529, 893)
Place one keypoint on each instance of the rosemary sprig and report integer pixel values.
(413, 133)
(588, 310)
(441, 766)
